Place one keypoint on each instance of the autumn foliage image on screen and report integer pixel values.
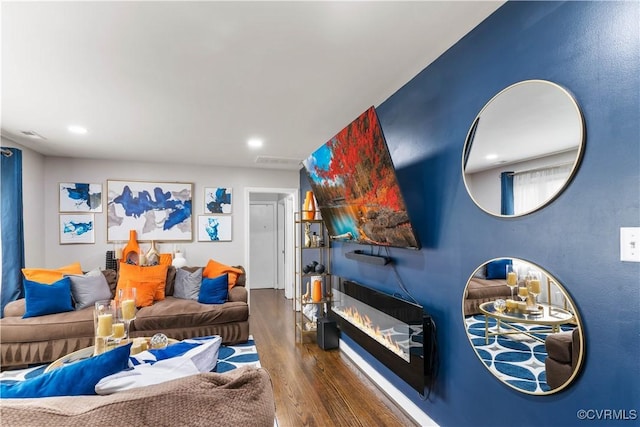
(353, 179)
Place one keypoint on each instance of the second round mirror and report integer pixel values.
(523, 326)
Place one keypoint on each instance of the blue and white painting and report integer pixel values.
(156, 210)
(217, 200)
(80, 197)
(214, 228)
(77, 228)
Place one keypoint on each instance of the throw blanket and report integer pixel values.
(242, 397)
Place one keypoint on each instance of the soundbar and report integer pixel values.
(368, 258)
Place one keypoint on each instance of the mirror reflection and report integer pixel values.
(523, 326)
(523, 148)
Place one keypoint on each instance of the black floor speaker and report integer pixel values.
(328, 335)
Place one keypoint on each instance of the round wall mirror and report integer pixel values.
(523, 326)
(523, 148)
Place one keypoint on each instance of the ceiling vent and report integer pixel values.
(32, 134)
(277, 161)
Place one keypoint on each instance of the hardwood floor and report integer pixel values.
(313, 387)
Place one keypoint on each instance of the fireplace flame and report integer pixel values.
(365, 324)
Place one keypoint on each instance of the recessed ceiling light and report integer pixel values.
(77, 129)
(255, 143)
(491, 156)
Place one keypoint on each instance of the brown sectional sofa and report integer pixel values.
(46, 338)
(479, 291)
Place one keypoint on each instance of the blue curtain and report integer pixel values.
(11, 226)
(506, 191)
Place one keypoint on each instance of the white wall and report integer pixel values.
(59, 169)
(33, 204)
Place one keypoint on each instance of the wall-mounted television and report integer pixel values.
(354, 182)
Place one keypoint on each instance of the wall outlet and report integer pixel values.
(630, 244)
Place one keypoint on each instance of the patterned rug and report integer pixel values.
(229, 357)
(516, 359)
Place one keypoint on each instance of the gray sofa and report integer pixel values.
(43, 339)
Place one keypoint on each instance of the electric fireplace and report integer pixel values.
(396, 332)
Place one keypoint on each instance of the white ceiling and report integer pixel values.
(192, 81)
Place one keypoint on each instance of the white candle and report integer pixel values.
(105, 325)
(118, 330)
(128, 309)
(118, 250)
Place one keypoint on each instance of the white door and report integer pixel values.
(262, 251)
(280, 247)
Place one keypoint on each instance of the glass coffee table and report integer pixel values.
(544, 315)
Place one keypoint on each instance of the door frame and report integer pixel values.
(290, 206)
(274, 206)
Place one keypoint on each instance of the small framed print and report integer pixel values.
(217, 200)
(214, 228)
(77, 228)
(79, 197)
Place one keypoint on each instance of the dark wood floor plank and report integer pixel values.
(313, 387)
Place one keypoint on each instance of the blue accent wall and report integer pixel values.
(593, 50)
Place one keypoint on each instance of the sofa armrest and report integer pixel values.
(15, 308)
(560, 347)
(237, 294)
(242, 278)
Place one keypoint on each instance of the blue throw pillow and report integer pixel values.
(215, 290)
(498, 269)
(76, 379)
(41, 299)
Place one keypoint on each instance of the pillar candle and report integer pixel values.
(105, 325)
(118, 330)
(128, 309)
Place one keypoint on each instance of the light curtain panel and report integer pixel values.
(217, 200)
(80, 197)
(214, 228)
(77, 228)
(156, 210)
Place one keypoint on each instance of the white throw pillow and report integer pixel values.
(157, 366)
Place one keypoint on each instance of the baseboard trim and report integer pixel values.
(410, 408)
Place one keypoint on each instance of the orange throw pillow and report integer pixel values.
(145, 292)
(48, 275)
(156, 274)
(215, 269)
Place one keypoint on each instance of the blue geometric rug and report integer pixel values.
(516, 359)
(229, 357)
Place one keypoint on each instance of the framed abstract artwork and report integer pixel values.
(80, 197)
(217, 200)
(214, 228)
(156, 210)
(77, 228)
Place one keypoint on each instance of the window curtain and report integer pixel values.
(533, 188)
(506, 193)
(11, 226)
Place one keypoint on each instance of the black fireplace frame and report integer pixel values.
(416, 372)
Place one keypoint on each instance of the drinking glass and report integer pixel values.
(118, 325)
(523, 293)
(103, 314)
(533, 285)
(127, 298)
(512, 278)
